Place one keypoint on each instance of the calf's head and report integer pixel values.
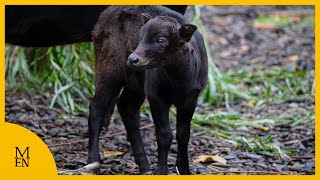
(160, 38)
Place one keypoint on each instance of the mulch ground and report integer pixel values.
(66, 137)
(235, 45)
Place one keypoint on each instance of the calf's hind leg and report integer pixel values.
(101, 108)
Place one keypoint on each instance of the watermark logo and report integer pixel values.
(22, 157)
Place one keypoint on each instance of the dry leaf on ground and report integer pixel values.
(112, 153)
(208, 159)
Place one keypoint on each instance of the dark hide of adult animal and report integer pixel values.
(50, 25)
(166, 63)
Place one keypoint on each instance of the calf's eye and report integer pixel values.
(161, 41)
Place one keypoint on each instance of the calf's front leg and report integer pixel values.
(160, 115)
(184, 116)
(129, 108)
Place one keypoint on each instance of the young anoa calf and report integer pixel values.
(166, 63)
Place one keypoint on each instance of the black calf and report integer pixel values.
(166, 63)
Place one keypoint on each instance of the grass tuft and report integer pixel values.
(63, 75)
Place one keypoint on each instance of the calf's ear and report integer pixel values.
(145, 17)
(186, 31)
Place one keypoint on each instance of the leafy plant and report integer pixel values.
(217, 89)
(65, 74)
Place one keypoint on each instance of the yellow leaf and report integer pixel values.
(225, 54)
(249, 104)
(245, 48)
(208, 159)
(293, 58)
(263, 128)
(111, 153)
(113, 118)
(267, 25)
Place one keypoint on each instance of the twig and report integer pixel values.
(50, 137)
(221, 165)
(43, 107)
(123, 132)
(74, 142)
(83, 153)
(78, 156)
(297, 141)
(216, 168)
(303, 157)
(130, 164)
(178, 173)
(63, 158)
(257, 172)
(88, 169)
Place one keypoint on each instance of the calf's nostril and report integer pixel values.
(133, 59)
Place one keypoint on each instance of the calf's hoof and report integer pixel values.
(96, 171)
(147, 173)
(162, 171)
(183, 171)
(93, 167)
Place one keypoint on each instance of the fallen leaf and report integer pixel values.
(244, 48)
(225, 54)
(293, 58)
(249, 104)
(208, 159)
(263, 128)
(222, 40)
(266, 26)
(113, 118)
(292, 63)
(112, 153)
(295, 19)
